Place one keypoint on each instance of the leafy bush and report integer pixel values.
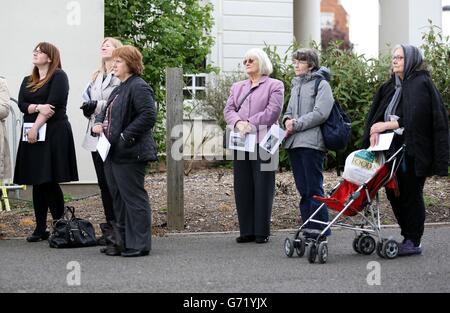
(436, 49)
(216, 95)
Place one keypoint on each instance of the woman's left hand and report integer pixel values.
(374, 139)
(378, 128)
(32, 135)
(97, 129)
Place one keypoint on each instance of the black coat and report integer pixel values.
(52, 160)
(132, 117)
(424, 118)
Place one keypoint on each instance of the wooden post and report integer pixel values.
(175, 166)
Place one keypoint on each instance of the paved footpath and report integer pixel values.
(216, 263)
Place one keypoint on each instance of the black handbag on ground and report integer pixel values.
(226, 132)
(72, 232)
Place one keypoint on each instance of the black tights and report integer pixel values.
(45, 196)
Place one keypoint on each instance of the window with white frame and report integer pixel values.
(327, 20)
(194, 86)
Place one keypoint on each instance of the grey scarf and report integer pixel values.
(413, 59)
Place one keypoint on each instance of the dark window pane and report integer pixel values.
(200, 81)
(187, 94)
(188, 80)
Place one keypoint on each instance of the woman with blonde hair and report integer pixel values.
(96, 94)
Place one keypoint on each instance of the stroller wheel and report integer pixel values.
(366, 244)
(355, 244)
(380, 249)
(300, 246)
(323, 252)
(312, 252)
(288, 247)
(390, 249)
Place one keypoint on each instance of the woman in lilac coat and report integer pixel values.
(253, 106)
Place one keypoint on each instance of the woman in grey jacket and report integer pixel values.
(304, 141)
(95, 97)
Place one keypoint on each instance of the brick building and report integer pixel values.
(333, 15)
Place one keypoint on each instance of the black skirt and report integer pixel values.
(52, 160)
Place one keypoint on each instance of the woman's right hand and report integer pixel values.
(289, 124)
(98, 129)
(243, 127)
(46, 110)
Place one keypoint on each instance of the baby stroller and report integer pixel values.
(357, 211)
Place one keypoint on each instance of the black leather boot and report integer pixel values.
(106, 229)
(114, 241)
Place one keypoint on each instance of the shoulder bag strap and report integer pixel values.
(243, 99)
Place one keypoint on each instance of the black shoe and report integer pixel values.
(134, 253)
(262, 239)
(112, 251)
(248, 238)
(103, 250)
(38, 237)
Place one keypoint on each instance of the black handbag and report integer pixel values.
(227, 131)
(72, 232)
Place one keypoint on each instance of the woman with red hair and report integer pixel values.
(45, 161)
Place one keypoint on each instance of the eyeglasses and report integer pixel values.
(38, 51)
(397, 58)
(249, 61)
(297, 62)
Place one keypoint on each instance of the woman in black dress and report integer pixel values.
(45, 161)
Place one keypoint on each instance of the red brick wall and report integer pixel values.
(340, 15)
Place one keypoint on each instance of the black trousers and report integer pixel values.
(254, 189)
(45, 196)
(131, 203)
(409, 207)
(104, 189)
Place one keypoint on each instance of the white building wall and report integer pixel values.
(419, 13)
(242, 25)
(76, 28)
(404, 21)
(307, 21)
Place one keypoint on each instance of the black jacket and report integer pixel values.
(132, 118)
(424, 119)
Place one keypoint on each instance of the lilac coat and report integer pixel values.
(261, 108)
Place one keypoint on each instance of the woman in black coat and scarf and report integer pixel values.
(410, 105)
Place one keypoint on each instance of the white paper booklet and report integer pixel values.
(246, 143)
(41, 133)
(272, 139)
(384, 142)
(103, 146)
